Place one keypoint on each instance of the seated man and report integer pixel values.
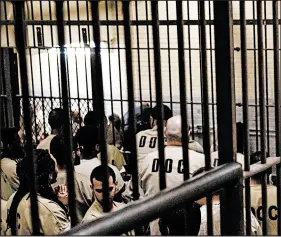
(53, 211)
(114, 156)
(115, 125)
(256, 198)
(97, 208)
(56, 121)
(89, 143)
(256, 229)
(83, 192)
(11, 153)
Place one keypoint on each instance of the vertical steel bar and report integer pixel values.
(206, 124)
(119, 64)
(131, 97)
(277, 91)
(158, 85)
(182, 83)
(20, 36)
(232, 221)
(266, 80)
(148, 52)
(65, 101)
(256, 85)
(138, 49)
(190, 72)
(212, 80)
(110, 73)
(169, 56)
(89, 40)
(98, 87)
(262, 114)
(245, 86)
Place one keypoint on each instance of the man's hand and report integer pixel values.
(62, 194)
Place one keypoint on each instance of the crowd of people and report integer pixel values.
(51, 177)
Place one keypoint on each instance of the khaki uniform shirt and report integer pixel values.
(83, 192)
(149, 175)
(53, 219)
(118, 136)
(96, 211)
(86, 167)
(215, 157)
(114, 157)
(3, 216)
(256, 206)
(45, 144)
(9, 178)
(256, 229)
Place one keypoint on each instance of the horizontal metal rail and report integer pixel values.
(258, 167)
(146, 210)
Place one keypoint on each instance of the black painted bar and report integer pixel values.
(245, 87)
(65, 101)
(20, 35)
(97, 83)
(158, 85)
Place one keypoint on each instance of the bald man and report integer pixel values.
(149, 175)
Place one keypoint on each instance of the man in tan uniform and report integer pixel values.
(114, 156)
(115, 125)
(56, 121)
(3, 216)
(256, 199)
(88, 140)
(96, 210)
(53, 213)
(256, 229)
(83, 192)
(11, 154)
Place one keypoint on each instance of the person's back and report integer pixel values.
(3, 216)
(114, 135)
(12, 153)
(53, 219)
(83, 193)
(56, 121)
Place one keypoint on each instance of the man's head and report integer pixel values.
(173, 131)
(255, 158)
(56, 119)
(59, 151)
(167, 113)
(11, 143)
(46, 172)
(97, 178)
(88, 140)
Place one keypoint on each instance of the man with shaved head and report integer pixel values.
(149, 175)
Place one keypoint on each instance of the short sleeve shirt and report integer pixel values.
(45, 144)
(9, 178)
(83, 192)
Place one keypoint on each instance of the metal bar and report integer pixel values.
(232, 204)
(119, 65)
(190, 72)
(169, 57)
(98, 89)
(266, 80)
(206, 125)
(149, 209)
(277, 91)
(33, 99)
(110, 74)
(260, 167)
(138, 50)
(20, 36)
(245, 86)
(65, 101)
(256, 86)
(159, 99)
(148, 54)
(89, 40)
(130, 86)
(182, 84)
(262, 116)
